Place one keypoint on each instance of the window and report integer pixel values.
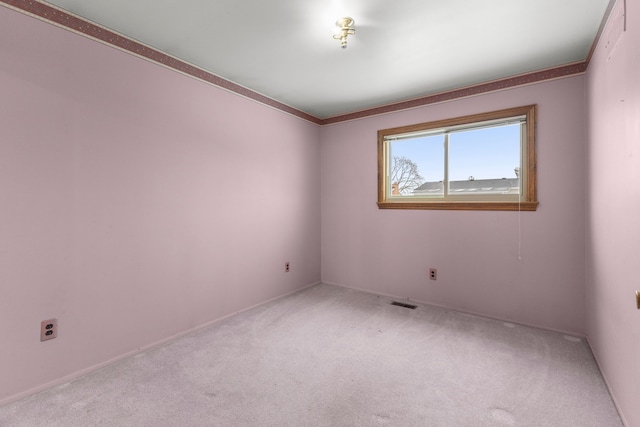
(481, 162)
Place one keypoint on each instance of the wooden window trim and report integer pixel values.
(529, 201)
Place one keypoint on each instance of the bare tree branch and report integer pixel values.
(404, 175)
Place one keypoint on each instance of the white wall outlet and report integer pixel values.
(433, 274)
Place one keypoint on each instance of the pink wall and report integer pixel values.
(136, 203)
(476, 253)
(613, 209)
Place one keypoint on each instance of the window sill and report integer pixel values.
(462, 206)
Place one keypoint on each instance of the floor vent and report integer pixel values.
(401, 304)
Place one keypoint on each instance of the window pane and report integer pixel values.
(417, 166)
(485, 161)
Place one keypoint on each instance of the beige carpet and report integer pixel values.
(329, 356)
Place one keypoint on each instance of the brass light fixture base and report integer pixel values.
(345, 22)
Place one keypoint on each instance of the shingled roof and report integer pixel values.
(501, 185)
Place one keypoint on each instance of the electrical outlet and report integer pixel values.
(286, 267)
(433, 274)
(48, 329)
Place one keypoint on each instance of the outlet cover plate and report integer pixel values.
(48, 329)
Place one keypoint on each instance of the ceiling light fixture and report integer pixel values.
(345, 26)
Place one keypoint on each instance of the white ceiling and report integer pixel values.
(402, 49)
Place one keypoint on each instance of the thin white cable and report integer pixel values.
(519, 229)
